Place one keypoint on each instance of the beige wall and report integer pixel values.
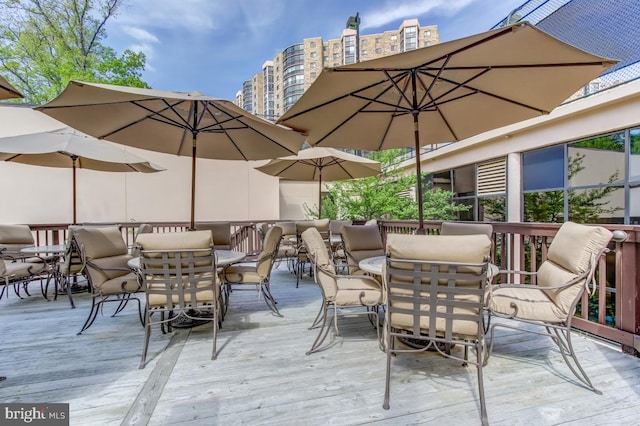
(293, 196)
(225, 190)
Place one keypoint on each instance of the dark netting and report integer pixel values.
(609, 28)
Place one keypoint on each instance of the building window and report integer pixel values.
(313, 64)
(378, 40)
(427, 33)
(336, 55)
(543, 168)
(394, 47)
(312, 45)
(378, 51)
(364, 51)
(313, 74)
(394, 37)
(313, 54)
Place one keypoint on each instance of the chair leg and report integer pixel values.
(147, 336)
(93, 313)
(479, 361)
(562, 338)
(214, 314)
(269, 299)
(318, 320)
(323, 333)
(390, 347)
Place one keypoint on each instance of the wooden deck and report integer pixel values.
(262, 375)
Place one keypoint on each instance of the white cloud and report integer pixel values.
(140, 34)
(392, 11)
(192, 15)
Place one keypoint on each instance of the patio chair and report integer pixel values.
(289, 244)
(435, 289)
(143, 228)
(104, 256)
(221, 232)
(179, 276)
(343, 294)
(360, 242)
(256, 274)
(302, 260)
(20, 269)
(549, 302)
(335, 236)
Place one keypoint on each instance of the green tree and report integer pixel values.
(386, 196)
(46, 43)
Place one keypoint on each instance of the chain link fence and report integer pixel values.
(609, 28)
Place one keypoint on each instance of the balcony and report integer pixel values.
(262, 375)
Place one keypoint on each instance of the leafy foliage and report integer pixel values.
(46, 43)
(386, 196)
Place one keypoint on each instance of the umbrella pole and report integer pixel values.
(320, 194)
(73, 159)
(192, 226)
(416, 133)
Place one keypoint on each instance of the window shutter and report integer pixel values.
(492, 177)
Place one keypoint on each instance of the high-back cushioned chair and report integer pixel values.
(221, 232)
(104, 255)
(322, 226)
(179, 276)
(289, 244)
(258, 273)
(344, 294)
(335, 235)
(550, 302)
(360, 242)
(435, 290)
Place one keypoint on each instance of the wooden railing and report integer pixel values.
(613, 313)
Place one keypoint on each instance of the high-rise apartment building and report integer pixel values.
(271, 92)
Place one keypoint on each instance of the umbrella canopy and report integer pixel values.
(187, 124)
(321, 164)
(7, 91)
(442, 93)
(68, 148)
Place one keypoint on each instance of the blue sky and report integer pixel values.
(214, 45)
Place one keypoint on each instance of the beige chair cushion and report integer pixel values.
(288, 228)
(14, 270)
(242, 273)
(349, 291)
(129, 282)
(360, 242)
(16, 234)
(532, 304)
(458, 228)
(317, 248)
(443, 248)
(574, 246)
(221, 233)
(176, 240)
(101, 242)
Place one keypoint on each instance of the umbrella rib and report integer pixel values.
(475, 90)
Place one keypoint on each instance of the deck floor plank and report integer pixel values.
(263, 377)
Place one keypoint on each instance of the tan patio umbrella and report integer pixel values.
(7, 91)
(187, 124)
(68, 148)
(442, 93)
(321, 164)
